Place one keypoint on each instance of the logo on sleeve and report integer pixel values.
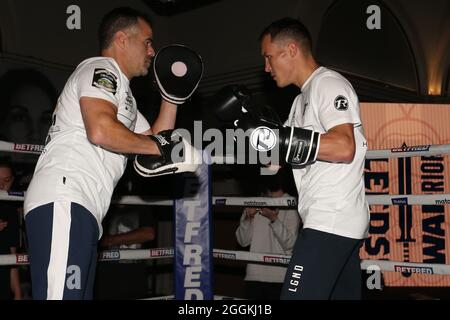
(129, 102)
(106, 80)
(341, 103)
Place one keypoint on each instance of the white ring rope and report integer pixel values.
(168, 253)
(413, 151)
(402, 152)
(382, 199)
(21, 147)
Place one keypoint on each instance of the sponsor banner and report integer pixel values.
(408, 269)
(404, 148)
(256, 201)
(161, 252)
(400, 201)
(22, 259)
(272, 259)
(193, 247)
(401, 231)
(109, 255)
(223, 255)
(16, 193)
(220, 202)
(442, 201)
(34, 148)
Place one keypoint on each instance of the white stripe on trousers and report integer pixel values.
(56, 272)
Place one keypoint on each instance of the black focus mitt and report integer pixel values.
(178, 71)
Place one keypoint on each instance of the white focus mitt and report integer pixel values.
(177, 155)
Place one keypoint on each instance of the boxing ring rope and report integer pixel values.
(401, 152)
(382, 199)
(168, 253)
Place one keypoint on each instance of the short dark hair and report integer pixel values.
(289, 28)
(118, 19)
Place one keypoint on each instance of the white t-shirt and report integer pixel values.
(331, 195)
(71, 168)
(272, 238)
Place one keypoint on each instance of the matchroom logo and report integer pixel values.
(442, 201)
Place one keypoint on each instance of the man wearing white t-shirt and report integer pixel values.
(272, 231)
(325, 262)
(95, 124)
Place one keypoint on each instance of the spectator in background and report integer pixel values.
(126, 227)
(9, 236)
(267, 230)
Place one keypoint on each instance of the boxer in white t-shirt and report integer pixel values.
(325, 263)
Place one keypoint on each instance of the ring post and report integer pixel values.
(193, 249)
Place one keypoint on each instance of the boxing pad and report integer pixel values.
(178, 71)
